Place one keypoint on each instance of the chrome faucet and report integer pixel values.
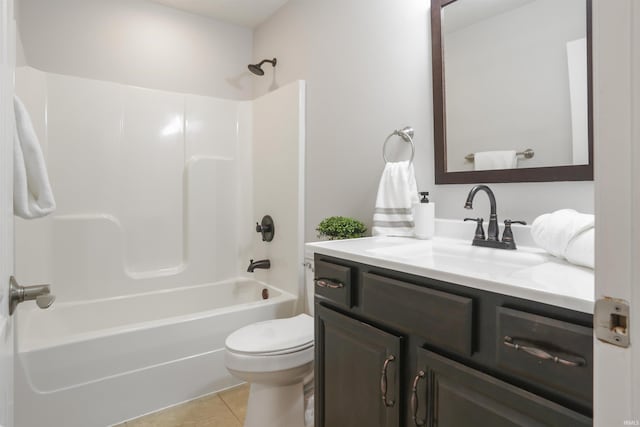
(492, 240)
(263, 263)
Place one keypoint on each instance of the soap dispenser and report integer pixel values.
(424, 217)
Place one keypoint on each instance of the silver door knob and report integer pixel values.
(40, 293)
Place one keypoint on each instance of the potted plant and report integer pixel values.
(340, 227)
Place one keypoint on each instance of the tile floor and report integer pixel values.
(225, 409)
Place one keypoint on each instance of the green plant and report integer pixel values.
(340, 227)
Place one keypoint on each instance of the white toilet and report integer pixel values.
(276, 358)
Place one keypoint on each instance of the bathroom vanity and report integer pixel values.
(436, 333)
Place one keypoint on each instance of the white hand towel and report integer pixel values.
(561, 234)
(397, 193)
(32, 195)
(486, 160)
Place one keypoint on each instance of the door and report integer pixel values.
(448, 394)
(7, 65)
(358, 373)
(617, 202)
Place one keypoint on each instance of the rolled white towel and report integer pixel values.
(560, 234)
(581, 249)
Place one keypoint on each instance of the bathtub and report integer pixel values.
(101, 362)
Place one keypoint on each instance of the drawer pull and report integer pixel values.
(415, 401)
(542, 354)
(328, 283)
(383, 381)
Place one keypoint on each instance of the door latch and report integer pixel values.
(611, 321)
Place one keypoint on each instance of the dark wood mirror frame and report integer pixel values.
(538, 174)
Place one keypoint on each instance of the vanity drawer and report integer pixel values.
(551, 353)
(333, 282)
(441, 318)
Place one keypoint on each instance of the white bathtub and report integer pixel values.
(101, 362)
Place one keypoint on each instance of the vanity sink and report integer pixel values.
(527, 272)
(460, 257)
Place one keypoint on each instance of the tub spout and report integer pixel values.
(263, 263)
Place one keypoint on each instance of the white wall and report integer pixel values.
(367, 69)
(367, 64)
(136, 42)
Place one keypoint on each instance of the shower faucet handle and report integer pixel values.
(267, 228)
(260, 228)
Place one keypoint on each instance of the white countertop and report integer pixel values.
(527, 272)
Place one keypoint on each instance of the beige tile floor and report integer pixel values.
(225, 409)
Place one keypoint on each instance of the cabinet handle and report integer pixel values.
(542, 354)
(383, 381)
(415, 401)
(328, 283)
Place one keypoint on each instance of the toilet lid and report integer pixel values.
(273, 336)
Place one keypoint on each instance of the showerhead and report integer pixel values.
(257, 68)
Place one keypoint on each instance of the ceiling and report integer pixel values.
(248, 13)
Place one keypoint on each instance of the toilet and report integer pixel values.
(276, 358)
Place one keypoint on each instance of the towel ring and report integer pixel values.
(406, 134)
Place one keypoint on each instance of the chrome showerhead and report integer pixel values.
(257, 68)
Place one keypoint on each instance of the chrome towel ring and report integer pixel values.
(406, 134)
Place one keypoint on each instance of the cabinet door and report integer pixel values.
(453, 395)
(357, 373)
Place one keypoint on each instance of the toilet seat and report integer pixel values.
(272, 345)
(276, 352)
(273, 337)
(240, 362)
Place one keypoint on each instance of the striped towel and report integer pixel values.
(397, 193)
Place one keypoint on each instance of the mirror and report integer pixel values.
(512, 90)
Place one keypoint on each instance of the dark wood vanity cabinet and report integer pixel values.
(394, 349)
(454, 395)
(360, 371)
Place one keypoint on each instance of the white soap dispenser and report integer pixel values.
(424, 217)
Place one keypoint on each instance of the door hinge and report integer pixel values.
(611, 321)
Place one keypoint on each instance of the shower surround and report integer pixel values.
(157, 196)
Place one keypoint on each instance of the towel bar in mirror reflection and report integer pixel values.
(527, 154)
